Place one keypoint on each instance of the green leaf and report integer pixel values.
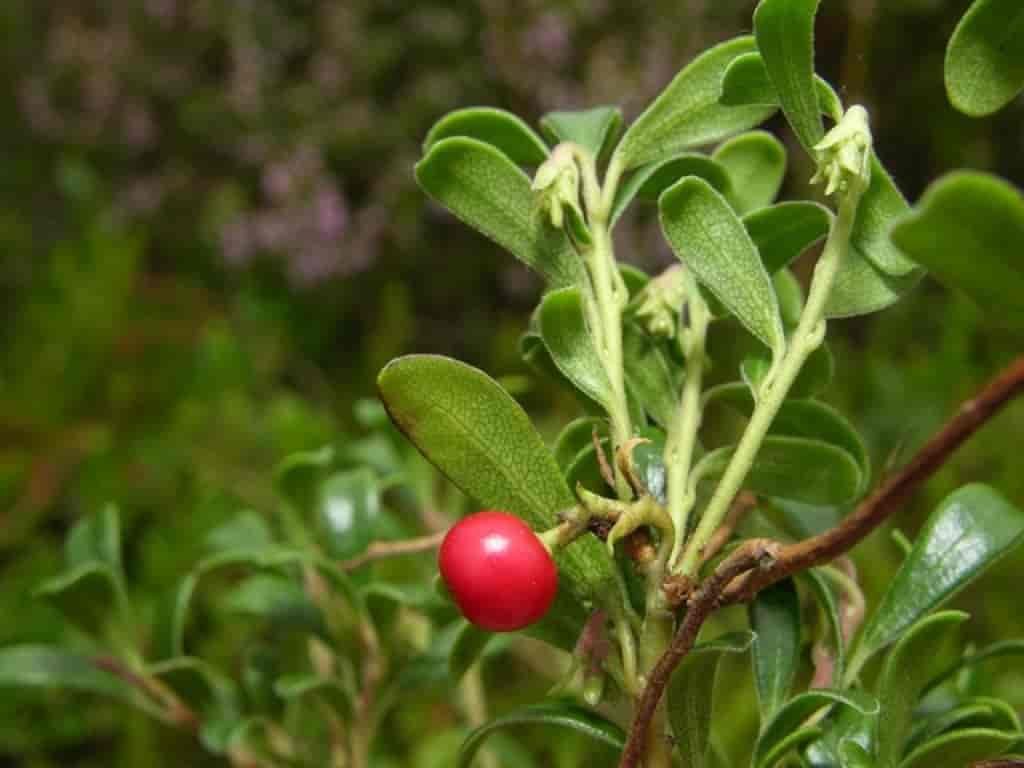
(969, 531)
(746, 82)
(790, 295)
(979, 712)
(712, 242)
(298, 478)
(263, 558)
(575, 437)
(347, 512)
(478, 436)
(487, 191)
(785, 39)
(469, 645)
(775, 619)
(45, 666)
(249, 530)
(649, 462)
(593, 129)
(816, 374)
(962, 747)
(860, 288)
(91, 587)
(277, 600)
(294, 687)
(208, 692)
(648, 373)
(880, 206)
(994, 651)
(775, 740)
(801, 418)
(691, 696)
(649, 181)
(571, 344)
(634, 278)
(496, 127)
(826, 597)
(687, 113)
(556, 715)
(968, 230)
(985, 57)
(919, 656)
(585, 470)
(782, 232)
(795, 468)
(756, 163)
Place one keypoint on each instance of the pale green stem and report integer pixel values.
(682, 437)
(475, 702)
(807, 337)
(627, 652)
(608, 297)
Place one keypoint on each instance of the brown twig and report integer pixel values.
(745, 501)
(756, 553)
(890, 496)
(175, 710)
(607, 473)
(1011, 763)
(383, 549)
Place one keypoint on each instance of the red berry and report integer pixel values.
(498, 571)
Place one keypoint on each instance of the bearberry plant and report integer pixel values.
(659, 515)
(694, 479)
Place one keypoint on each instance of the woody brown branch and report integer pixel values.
(892, 494)
(753, 554)
(738, 578)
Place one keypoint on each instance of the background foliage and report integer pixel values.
(211, 241)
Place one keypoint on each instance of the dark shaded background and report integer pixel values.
(210, 242)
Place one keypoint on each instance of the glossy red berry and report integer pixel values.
(498, 571)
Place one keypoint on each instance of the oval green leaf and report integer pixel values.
(563, 327)
(746, 82)
(347, 511)
(918, 657)
(775, 739)
(711, 241)
(691, 696)
(800, 418)
(468, 647)
(756, 164)
(649, 374)
(861, 288)
(489, 192)
(782, 232)
(51, 667)
(795, 468)
(961, 747)
(648, 181)
(576, 436)
(688, 113)
(785, 39)
(880, 206)
(775, 619)
(968, 230)
(968, 532)
(790, 295)
(502, 130)
(593, 129)
(477, 435)
(985, 57)
(554, 715)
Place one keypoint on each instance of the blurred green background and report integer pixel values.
(210, 242)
